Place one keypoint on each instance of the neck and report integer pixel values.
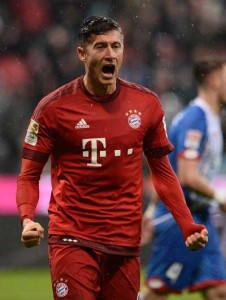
(211, 99)
(97, 88)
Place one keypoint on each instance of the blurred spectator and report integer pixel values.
(14, 72)
(33, 16)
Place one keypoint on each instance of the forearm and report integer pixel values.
(168, 188)
(170, 192)
(27, 198)
(190, 177)
(28, 188)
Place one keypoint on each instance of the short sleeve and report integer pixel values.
(190, 134)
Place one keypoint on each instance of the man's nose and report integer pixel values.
(110, 53)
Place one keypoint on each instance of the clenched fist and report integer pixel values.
(197, 240)
(32, 233)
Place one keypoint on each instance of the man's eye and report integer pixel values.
(100, 46)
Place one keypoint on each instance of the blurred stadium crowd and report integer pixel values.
(38, 53)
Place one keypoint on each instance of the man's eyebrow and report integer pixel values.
(96, 43)
(105, 43)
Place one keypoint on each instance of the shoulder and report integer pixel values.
(66, 89)
(137, 88)
(191, 117)
(56, 96)
(148, 99)
(194, 107)
(192, 113)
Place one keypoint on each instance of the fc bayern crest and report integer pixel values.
(134, 119)
(61, 289)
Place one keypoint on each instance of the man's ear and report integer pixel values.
(81, 53)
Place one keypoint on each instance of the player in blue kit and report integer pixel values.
(197, 137)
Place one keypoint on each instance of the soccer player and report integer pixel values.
(95, 129)
(197, 137)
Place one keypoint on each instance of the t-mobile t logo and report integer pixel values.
(94, 150)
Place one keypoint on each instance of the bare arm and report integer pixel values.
(190, 177)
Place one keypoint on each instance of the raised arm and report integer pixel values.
(169, 190)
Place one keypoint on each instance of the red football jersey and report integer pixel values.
(96, 146)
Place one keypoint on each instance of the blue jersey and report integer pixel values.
(196, 134)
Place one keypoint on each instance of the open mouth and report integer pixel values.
(108, 70)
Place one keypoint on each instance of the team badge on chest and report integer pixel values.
(134, 119)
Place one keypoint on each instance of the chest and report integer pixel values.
(115, 127)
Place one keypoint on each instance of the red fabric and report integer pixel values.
(161, 287)
(207, 284)
(169, 190)
(27, 188)
(110, 249)
(96, 168)
(85, 274)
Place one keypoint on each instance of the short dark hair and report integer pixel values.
(203, 68)
(96, 25)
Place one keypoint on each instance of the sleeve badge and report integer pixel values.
(31, 137)
(193, 139)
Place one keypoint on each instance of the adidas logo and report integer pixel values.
(82, 124)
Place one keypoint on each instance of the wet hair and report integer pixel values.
(203, 68)
(96, 25)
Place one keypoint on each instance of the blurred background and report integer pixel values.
(38, 43)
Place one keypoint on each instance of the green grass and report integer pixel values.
(194, 296)
(34, 284)
(25, 284)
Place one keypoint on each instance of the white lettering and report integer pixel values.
(94, 150)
